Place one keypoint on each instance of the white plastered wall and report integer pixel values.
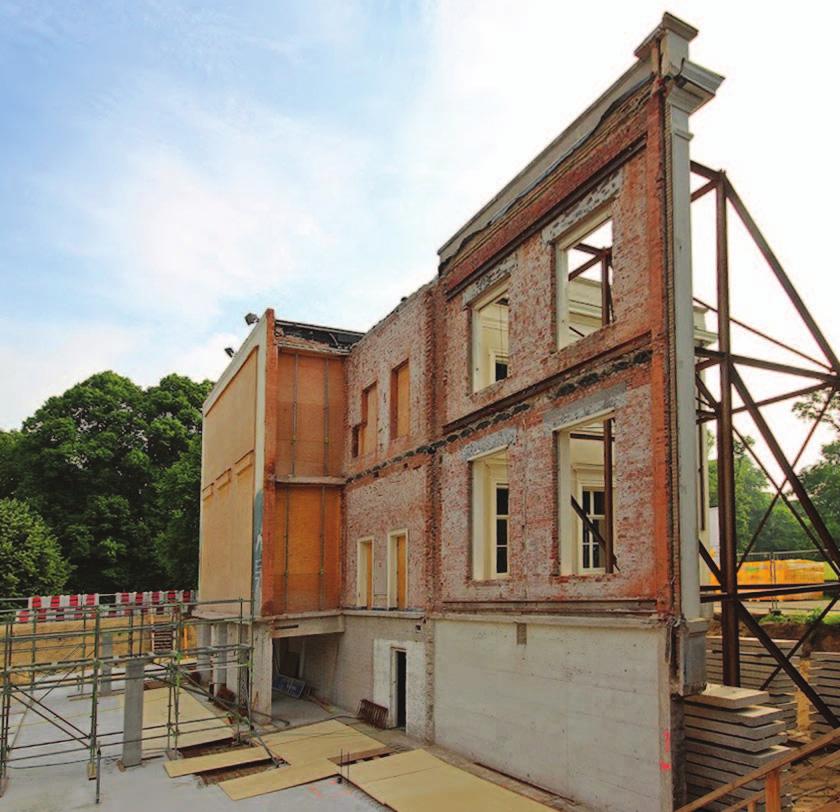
(415, 682)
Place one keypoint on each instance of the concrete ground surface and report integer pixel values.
(47, 781)
(55, 782)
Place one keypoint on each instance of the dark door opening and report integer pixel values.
(400, 709)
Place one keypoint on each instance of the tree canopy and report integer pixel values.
(31, 562)
(781, 530)
(109, 465)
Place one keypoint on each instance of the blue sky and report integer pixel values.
(167, 166)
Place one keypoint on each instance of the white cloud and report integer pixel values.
(38, 361)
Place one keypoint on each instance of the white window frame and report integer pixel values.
(393, 535)
(562, 245)
(484, 481)
(477, 350)
(587, 479)
(494, 543)
(361, 577)
(569, 536)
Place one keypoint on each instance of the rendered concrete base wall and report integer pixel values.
(346, 668)
(581, 708)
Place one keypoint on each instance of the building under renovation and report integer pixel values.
(485, 514)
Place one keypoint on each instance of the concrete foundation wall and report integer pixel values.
(581, 708)
(355, 665)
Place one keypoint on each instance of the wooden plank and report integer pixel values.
(325, 746)
(198, 723)
(725, 696)
(417, 782)
(391, 766)
(215, 761)
(361, 755)
(249, 786)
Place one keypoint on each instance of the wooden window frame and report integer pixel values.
(393, 563)
(396, 404)
(365, 597)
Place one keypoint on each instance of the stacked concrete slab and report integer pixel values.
(825, 678)
(729, 732)
(757, 664)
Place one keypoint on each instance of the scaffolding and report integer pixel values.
(723, 396)
(172, 644)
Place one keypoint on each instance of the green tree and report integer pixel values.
(176, 505)
(90, 460)
(30, 556)
(781, 531)
(822, 481)
(9, 465)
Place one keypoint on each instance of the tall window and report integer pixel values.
(586, 474)
(400, 408)
(490, 341)
(364, 573)
(585, 280)
(398, 569)
(491, 516)
(370, 416)
(500, 525)
(592, 503)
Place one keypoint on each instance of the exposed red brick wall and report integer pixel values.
(422, 482)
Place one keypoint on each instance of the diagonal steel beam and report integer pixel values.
(787, 469)
(755, 627)
(776, 267)
(802, 640)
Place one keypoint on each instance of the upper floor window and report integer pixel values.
(490, 338)
(398, 569)
(400, 407)
(491, 516)
(585, 280)
(364, 573)
(370, 415)
(586, 505)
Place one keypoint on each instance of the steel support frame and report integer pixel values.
(824, 376)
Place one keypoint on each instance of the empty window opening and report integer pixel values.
(491, 516)
(370, 418)
(585, 281)
(400, 408)
(364, 573)
(398, 569)
(586, 497)
(491, 327)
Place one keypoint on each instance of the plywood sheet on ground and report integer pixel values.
(419, 782)
(279, 778)
(198, 723)
(319, 741)
(325, 745)
(215, 761)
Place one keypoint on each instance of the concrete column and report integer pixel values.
(234, 631)
(203, 660)
(106, 651)
(218, 637)
(262, 668)
(691, 86)
(132, 752)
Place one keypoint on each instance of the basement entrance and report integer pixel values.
(399, 688)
